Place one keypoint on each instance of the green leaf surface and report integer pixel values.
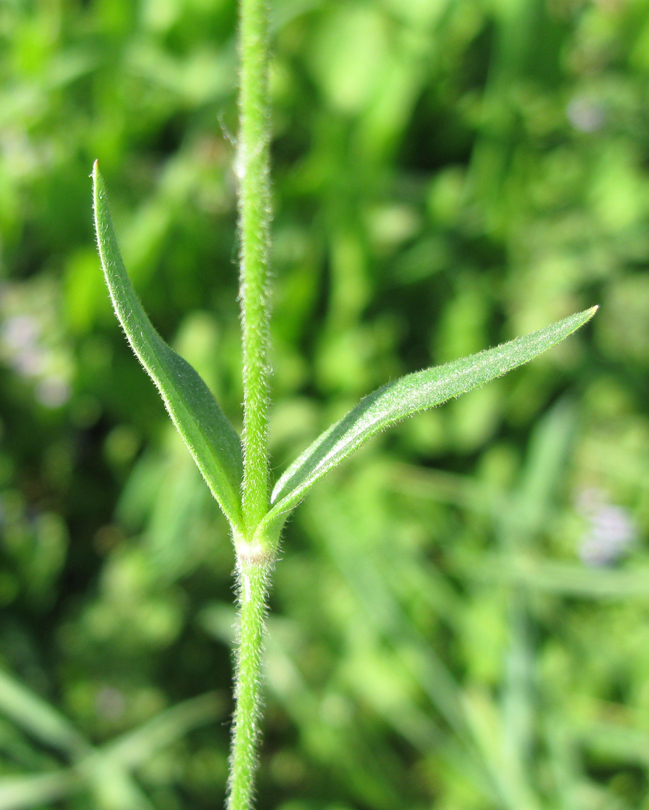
(210, 437)
(405, 397)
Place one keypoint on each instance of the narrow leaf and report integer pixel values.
(208, 434)
(405, 397)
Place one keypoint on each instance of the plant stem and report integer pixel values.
(252, 577)
(253, 561)
(253, 170)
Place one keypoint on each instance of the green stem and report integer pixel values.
(253, 170)
(253, 560)
(252, 580)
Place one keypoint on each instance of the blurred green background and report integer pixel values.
(460, 618)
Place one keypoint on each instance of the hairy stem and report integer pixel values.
(253, 561)
(253, 170)
(252, 581)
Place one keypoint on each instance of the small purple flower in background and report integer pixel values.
(20, 332)
(20, 338)
(611, 529)
(23, 350)
(110, 703)
(585, 115)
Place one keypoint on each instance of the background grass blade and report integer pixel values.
(113, 788)
(18, 792)
(136, 747)
(39, 719)
(407, 396)
(208, 434)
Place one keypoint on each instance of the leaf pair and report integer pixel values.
(214, 443)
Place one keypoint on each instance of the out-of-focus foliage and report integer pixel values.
(459, 614)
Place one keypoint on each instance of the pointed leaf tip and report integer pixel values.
(208, 434)
(405, 397)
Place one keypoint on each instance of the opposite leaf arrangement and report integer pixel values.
(216, 446)
(236, 470)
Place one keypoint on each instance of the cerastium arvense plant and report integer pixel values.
(237, 470)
